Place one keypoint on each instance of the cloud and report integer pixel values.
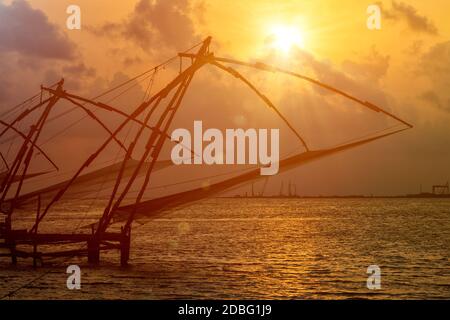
(433, 99)
(373, 68)
(435, 63)
(27, 31)
(435, 66)
(79, 70)
(27, 42)
(155, 23)
(409, 14)
(21, 78)
(128, 61)
(5, 82)
(360, 77)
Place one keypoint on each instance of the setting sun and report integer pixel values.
(284, 38)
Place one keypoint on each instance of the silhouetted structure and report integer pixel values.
(126, 173)
(441, 189)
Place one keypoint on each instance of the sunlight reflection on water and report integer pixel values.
(268, 249)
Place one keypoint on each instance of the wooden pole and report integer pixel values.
(125, 247)
(93, 251)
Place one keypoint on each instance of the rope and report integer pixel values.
(11, 293)
(368, 135)
(23, 103)
(154, 69)
(148, 91)
(173, 184)
(73, 124)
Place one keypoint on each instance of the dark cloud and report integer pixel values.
(356, 77)
(436, 63)
(27, 31)
(433, 99)
(79, 70)
(409, 14)
(155, 23)
(20, 78)
(24, 75)
(132, 61)
(27, 41)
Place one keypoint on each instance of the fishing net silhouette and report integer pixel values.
(126, 172)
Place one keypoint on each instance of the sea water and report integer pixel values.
(264, 249)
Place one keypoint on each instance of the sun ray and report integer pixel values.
(284, 37)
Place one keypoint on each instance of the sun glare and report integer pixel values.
(284, 38)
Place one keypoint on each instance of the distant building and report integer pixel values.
(441, 189)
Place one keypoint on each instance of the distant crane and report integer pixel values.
(441, 189)
(281, 189)
(291, 192)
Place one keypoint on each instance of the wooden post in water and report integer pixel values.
(35, 254)
(93, 251)
(9, 242)
(12, 248)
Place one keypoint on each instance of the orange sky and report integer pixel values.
(333, 31)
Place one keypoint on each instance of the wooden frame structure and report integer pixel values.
(101, 239)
